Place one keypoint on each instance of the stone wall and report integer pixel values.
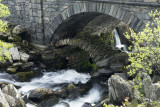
(42, 17)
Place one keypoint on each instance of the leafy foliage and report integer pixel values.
(146, 55)
(4, 12)
(146, 47)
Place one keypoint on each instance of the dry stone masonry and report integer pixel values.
(43, 17)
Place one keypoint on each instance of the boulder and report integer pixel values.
(25, 76)
(155, 92)
(27, 65)
(15, 38)
(11, 101)
(49, 102)
(18, 29)
(38, 95)
(15, 53)
(11, 70)
(104, 62)
(118, 67)
(146, 82)
(17, 64)
(13, 92)
(39, 47)
(73, 91)
(3, 100)
(122, 75)
(24, 56)
(87, 105)
(119, 89)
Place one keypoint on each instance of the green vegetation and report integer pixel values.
(146, 45)
(146, 56)
(107, 38)
(4, 12)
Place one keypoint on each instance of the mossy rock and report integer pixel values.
(11, 70)
(25, 76)
(14, 38)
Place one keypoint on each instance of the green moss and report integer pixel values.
(88, 66)
(25, 76)
(71, 86)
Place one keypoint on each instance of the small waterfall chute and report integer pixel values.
(119, 45)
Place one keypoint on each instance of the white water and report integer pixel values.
(119, 45)
(93, 96)
(49, 79)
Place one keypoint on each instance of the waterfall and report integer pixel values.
(119, 45)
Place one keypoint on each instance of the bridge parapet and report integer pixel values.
(130, 1)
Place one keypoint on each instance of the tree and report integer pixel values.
(4, 12)
(146, 56)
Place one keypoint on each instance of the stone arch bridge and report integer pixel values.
(42, 18)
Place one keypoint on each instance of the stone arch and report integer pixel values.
(105, 8)
(96, 52)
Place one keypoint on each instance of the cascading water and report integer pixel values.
(93, 96)
(54, 80)
(119, 45)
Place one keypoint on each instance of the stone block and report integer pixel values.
(111, 10)
(114, 13)
(107, 9)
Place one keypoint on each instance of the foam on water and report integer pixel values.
(48, 80)
(93, 96)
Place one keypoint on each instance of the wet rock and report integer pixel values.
(105, 71)
(24, 56)
(14, 38)
(39, 47)
(12, 91)
(42, 65)
(17, 64)
(33, 57)
(155, 92)
(146, 82)
(119, 89)
(73, 91)
(11, 70)
(15, 53)
(103, 63)
(18, 30)
(27, 65)
(117, 67)
(11, 101)
(122, 75)
(155, 78)
(38, 95)
(25, 76)
(87, 105)
(49, 102)
(3, 100)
